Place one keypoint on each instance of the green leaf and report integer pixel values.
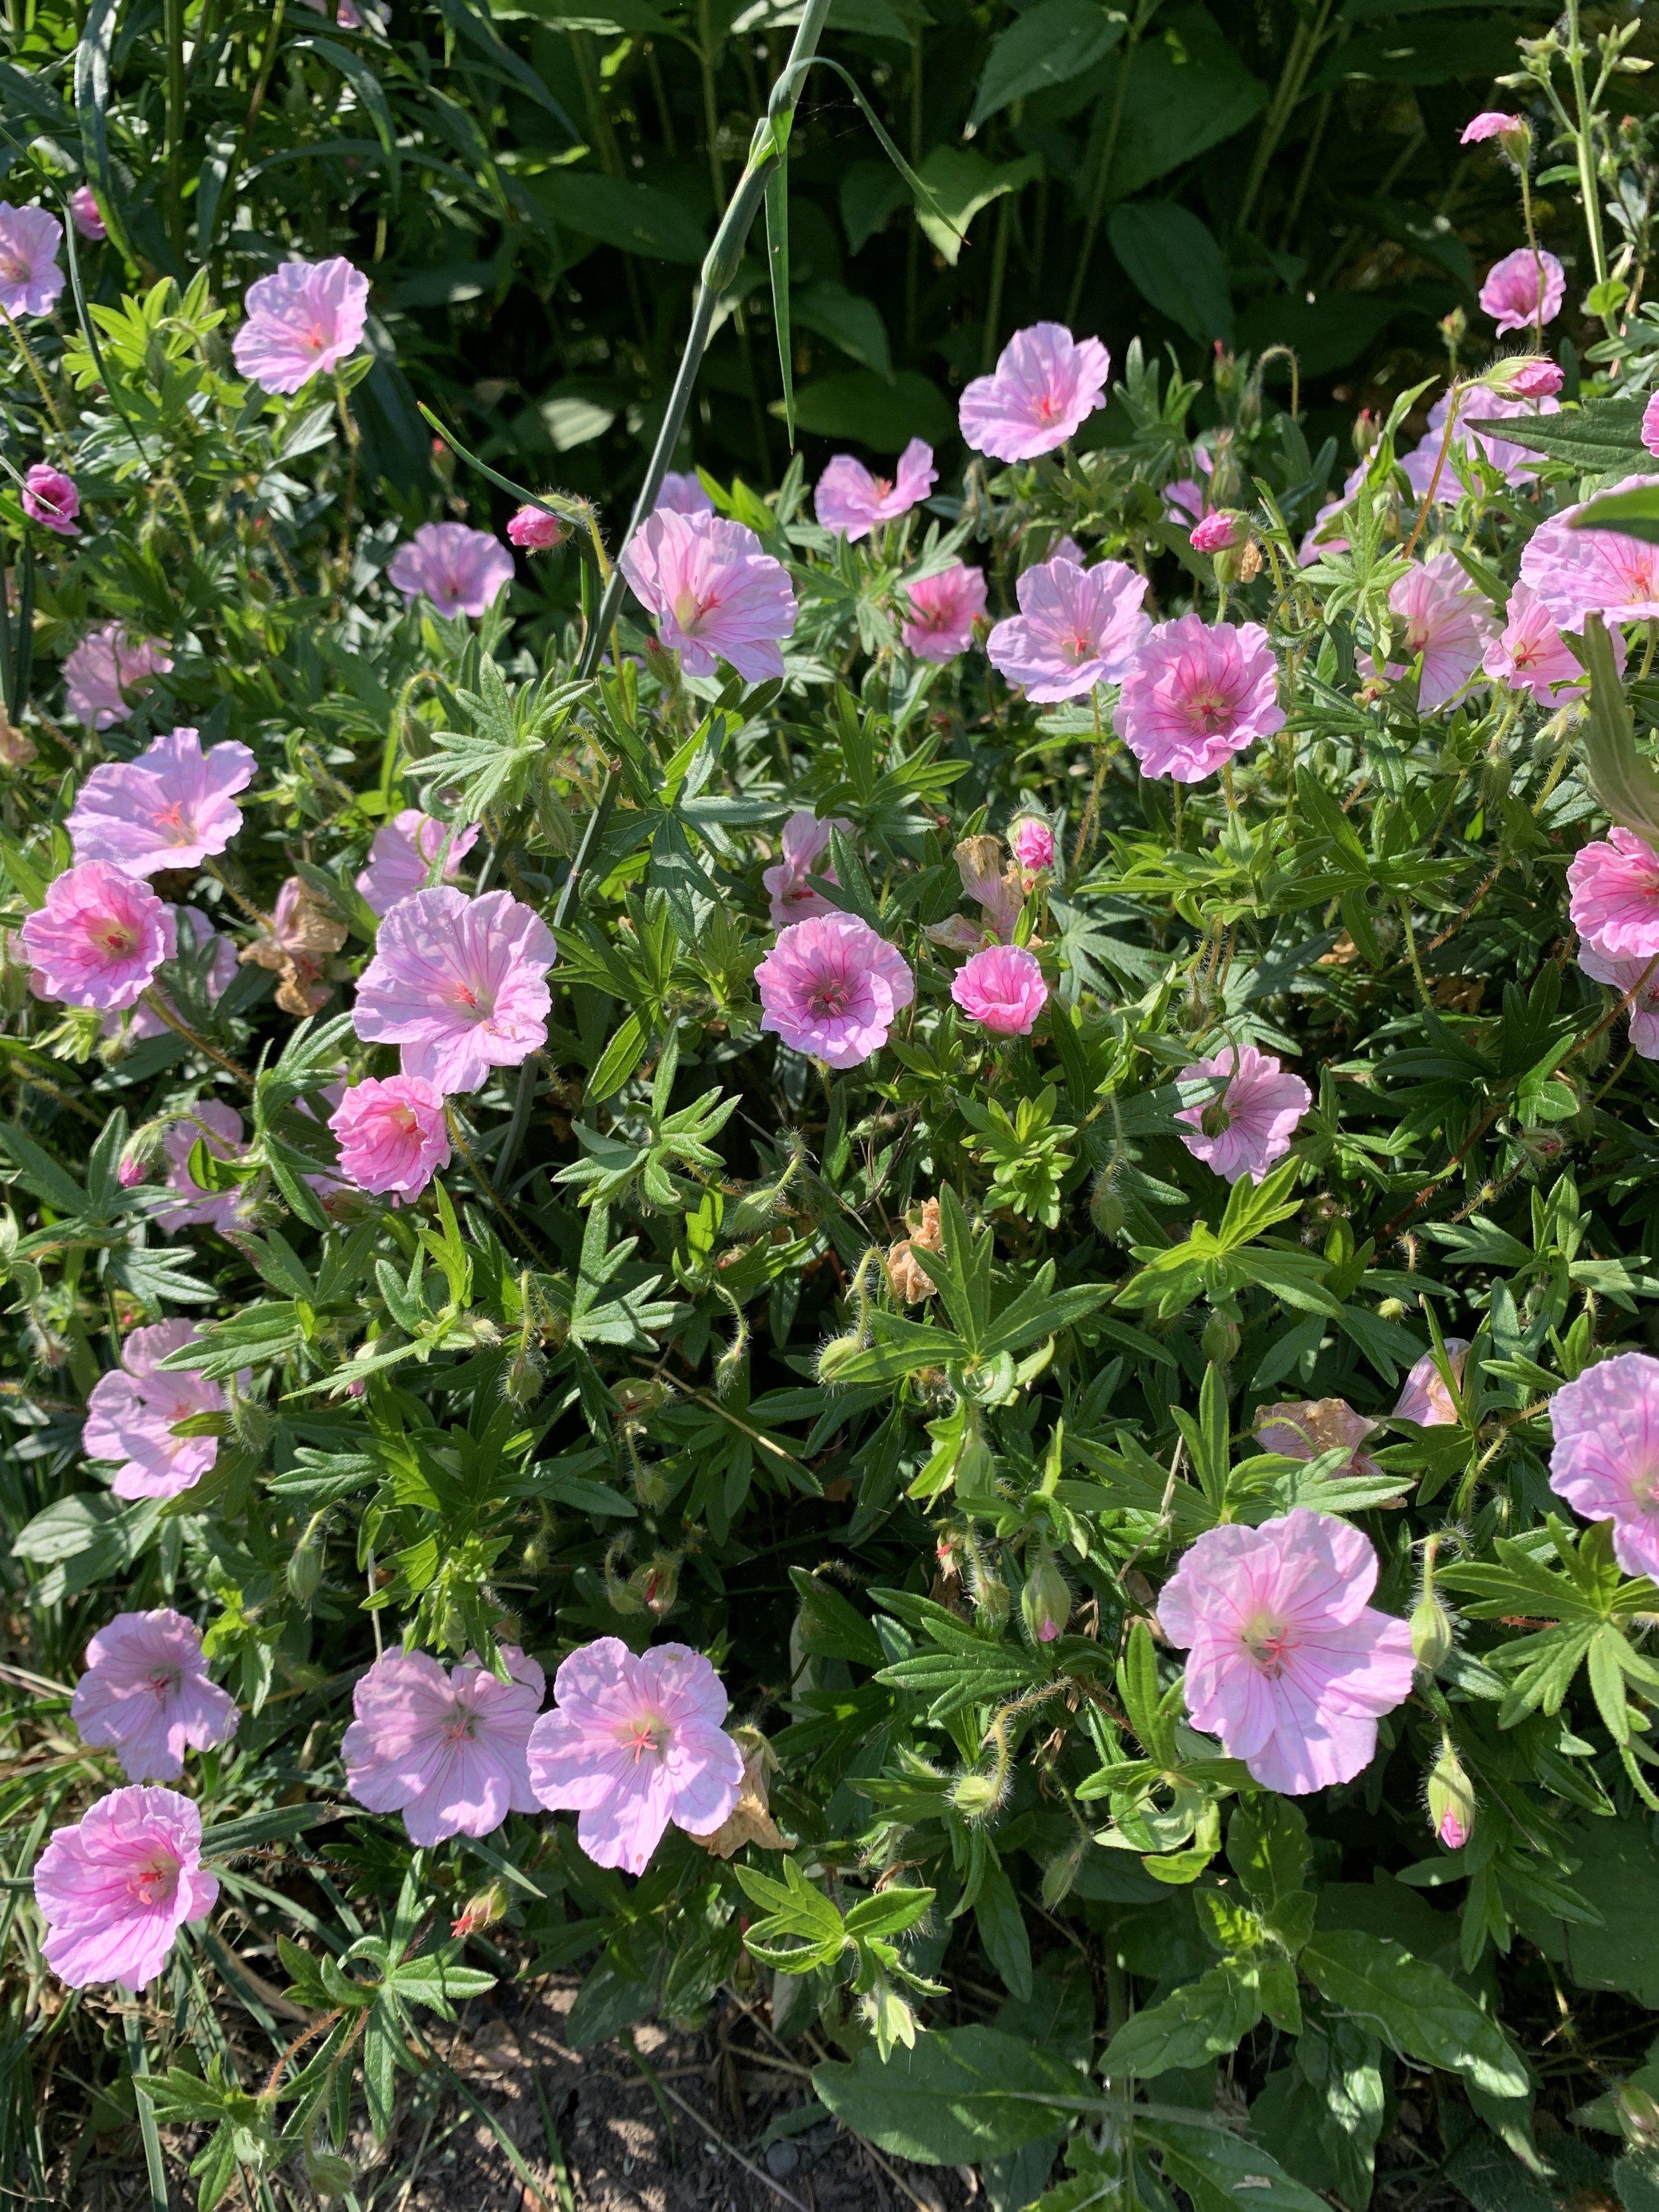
(1202, 2019)
(1173, 260)
(1002, 1931)
(1418, 2010)
(855, 325)
(1049, 45)
(777, 267)
(1625, 780)
(961, 183)
(635, 218)
(620, 1058)
(882, 412)
(1603, 438)
(1220, 2170)
(956, 2098)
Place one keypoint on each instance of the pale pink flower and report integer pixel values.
(1198, 692)
(1532, 655)
(301, 319)
(1247, 1127)
(194, 936)
(805, 842)
(394, 1136)
(533, 530)
(460, 984)
(944, 608)
(1032, 843)
(447, 1750)
(132, 1410)
(219, 1127)
(1423, 1397)
(115, 1889)
(85, 215)
(147, 1696)
(1186, 499)
(1537, 380)
(1218, 532)
(1489, 124)
(1625, 977)
(170, 808)
(1045, 385)
(1604, 1459)
(849, 499)
(715, 593)
(105, 667)
(632, 1743)
(50, 498)
(30, 279)
(1574, 571)
(1515, 285)
(1650, 425)
(1076, 628)
(1286, 1661)
(1614, 883)
(683, 493)
(404, 852)
(1422, 468)
(831, 987)
(1323, 534)
(461, 571)
(1448, 620)
(1001, 988)
(1304, 1428)
(98, 938)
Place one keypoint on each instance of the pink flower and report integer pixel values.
(634, 1743)
(805, 842)
(1448, 621)
(1536, 380)
(97, 939)
(346, 15)
(1198, 692)
(1002, 989)
(1076, 628)
(1423, 1397)
(1306, 1427)
(104, 666)
(1604, 1459)
(115, 1889)
(404, 852)
(147, 1695)
(683, 493)
(1514, 463)
(1217, 532)
(301, 319)
(50, 497)
(831, 987)
(461, 571)
(460, 984)
(1573, 571)
(848, 498)
(1247, 1127)
(394, 1136)
(1032, 843)
(535, 531)
(219, 1127)
(30, 279)
(1286, 1662)
(1515, 285)
(1532, 655)
(1491, 125)
(715, 593)
(1625, 977)
(1186, 499)
(132, 1410)
(85, 216)
(1045, 385)
(170, 808)
(1614, 883)
(447, 1750)
(197, 933)
(1650, 425)
(944, 608)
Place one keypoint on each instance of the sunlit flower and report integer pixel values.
(1218, 532)
(1489, 124)
(106, 666)
(1247, 1127)
(831, 987)
(806, 844)
(195, 933)
(219, 1127)
(943, 610)
(30, 279)
(849, 499)
(98, 938)
(1032, 843)
(115, 1889)
(460, 984)
(1076, 628)
(50, 498)
(404, 852)
(394, 1136)
(1537, 380)
(1516, 286)
(1626, 976)
(715, 593)
(1045, 385)
(1604, 1459)
(1575, 571)
(147, 1695)
(1423, 1397)
(85, 215)
(1198, 693)
(303, 320)
(1001, 988)
(1614, 887)
(533, 530)
(683, 493)
(1532, 655)
(132, 1412)
(1446, 619)
(1650, 425)
(446, 1749)
(461, 571)
(170, 808)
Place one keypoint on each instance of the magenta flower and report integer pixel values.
(198, 933)
(631, 1744)
(1045, 385)
(805, 842)
(115, 1889)
(1247, 1127)
(1523, 288)
(97, 939)
(50, 497)
(1573, 571)
(1604, 1459)
(104, 668)
(405, 851)
(1491, 125)
(831, 987)
(1536, 380)
(394, 1136)
(1002, 989)
(461, 571)
(447, 1750)
(715, 593)
(1532, 655)
(1218, 532)
(683, 493)
(219, 1127)
(1423, 1397)
(1198, 692)
(1626, 976)
(1286, 1662)
(1076, 628)
(1447, 620)
(147, 1696)
(30, 279)
(533, 530)
(460, 984)
(170, 808)
(1614, 883)
(1032, 843)
(85, 215)
(132, 1410)
(301, 319)
(944, 608)
(849, 499)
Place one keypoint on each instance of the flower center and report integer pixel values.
(1268, 1640)
(14, 265)
(832, 997)
(1048, 407)
(1079, 647)
(118, 938)
(315, 338)
(462, 1725)
(646, 1736)
(402, 1118)
(164, 1681)
(171, 823)
(154, 1884)
(689, 609)
(1210, 711)
(462, 996)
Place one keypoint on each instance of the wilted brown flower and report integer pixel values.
(910, 1279)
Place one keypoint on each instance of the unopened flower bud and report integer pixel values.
(1451, 1799)
(482, 1910)
(522, 1382)
(1638, 2116)
(1367, 429)
(533, 530)
(657, 1584)
(976, 1472)
(1046, 1599)
(1522, 376)
(836, 1356)
(976, 1796)
(1032, 843)
(1217, 532)
(1219, 1342)
(305, 1568)
(1432, 1633)
(1106, 1208)
(329, 2174)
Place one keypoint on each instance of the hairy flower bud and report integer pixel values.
(1638, 2116)
(1451, 1799)
(1219, 1342)
(1046, 1599)
(305, 1568)
(976, 1796)
(1106, 1207)
(482, 1910)
(1430, 1623)
(330, 2174)
(836, 1356)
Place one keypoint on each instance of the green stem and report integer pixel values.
(913, 261)
(1583, 143)
(1305, 44)
(999, 271)
(172, 22)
